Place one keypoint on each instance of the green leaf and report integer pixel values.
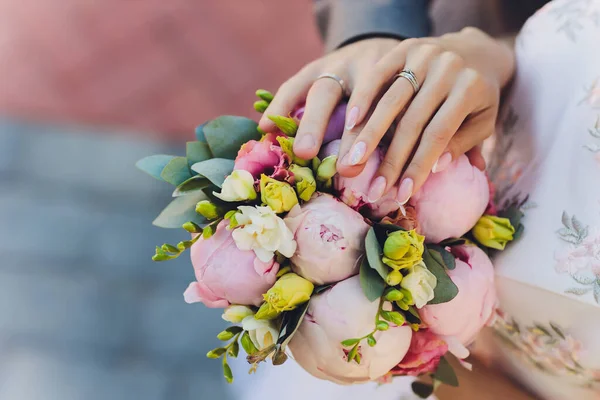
(196, 152)
(226, 134)
(216, 353)
(234, 350)
(442, 256)
(445, 373)
(421, 389)
(154, 165)
(215, 169)
(227, 371)
(373, 250)
(370, 281)
(322, 288)
(445, 289)
(247, 344)
(194, 184)
(176, 171)
(350, 342)
(290, 323)
(200, 132)
(353, 353)
(181, 210)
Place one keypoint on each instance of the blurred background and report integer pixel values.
(87, 87)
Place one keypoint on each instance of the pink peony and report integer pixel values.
(474, 305)
(335, 128)
(226, 275)
(423, 355)
(330, 238)
(451, 202)
(353, 191)
(340, 313)
(263, 157)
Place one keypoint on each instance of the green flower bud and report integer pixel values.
(247, 344)
(393, 278)
(234, 350)
(224, 336)
(403, 249)
(261, 106)
(264, 95)
(287, 145)
(394, 317)
(227, 371)
(208, 210)
(305, 181)
(393, 294)
(216, 353)
(327, 168)
(285, 124)
(382, 326)
(371, 341)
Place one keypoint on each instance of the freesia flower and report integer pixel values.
(474, 305)
(493, 232)
(286, 294)
(238, 186)
(330, 239)
(424, 354)
(262, 333)
(450, 202)
(280, 196)
(227, 275)
(403, 249)
(420, 282)
(305, 181)
(263, 157)
(235, 314)
(335, 315)
(262, 231)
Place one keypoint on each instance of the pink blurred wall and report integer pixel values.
(156, 66)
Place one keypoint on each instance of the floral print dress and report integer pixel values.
(547, 150)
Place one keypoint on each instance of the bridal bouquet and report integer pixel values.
(305, 266)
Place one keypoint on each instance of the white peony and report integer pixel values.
(262, 231)
(236, 314)
(420, 283)
(238, 186)
(262, 332)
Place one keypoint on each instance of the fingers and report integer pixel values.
(476, 158)
(469, 138)
(435, 151)
(289, 95)
(323, 97)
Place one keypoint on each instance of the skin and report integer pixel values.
(461, 77)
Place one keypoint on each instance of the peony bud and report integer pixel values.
(420, 282)
(403, 249)
(235, 314)
(238, 186)
(305, 181)
(279, 196)
(207, 209)
(286, 294)
(493, 232)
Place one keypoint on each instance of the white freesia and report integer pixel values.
(262, 332)
(262, 231)
(238, 186)
(420, 283)
(236, 314)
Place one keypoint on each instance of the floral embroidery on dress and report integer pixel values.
(582, 258)
(592, 95)
(571, 15)
(594, 146)
(548, 348)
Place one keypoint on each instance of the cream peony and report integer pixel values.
(238, 186)
(262, 231)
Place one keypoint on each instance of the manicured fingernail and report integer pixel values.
(442, 163)
(376, 190)
(352, 118)
(357, 153)
(405, 191)
(305, 142)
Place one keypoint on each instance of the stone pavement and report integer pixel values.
(84, 312)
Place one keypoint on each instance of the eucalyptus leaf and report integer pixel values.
(176, 171)
(181, 210)
(373, 250)
(322, 288)
(370, 281)
(153, 165)
(196, 152)
(226, 134)
(445, 289)
(421, 389)
(290, 323)
(194, 184)
(200, 132)
(442, 256)
(445, 373)
(215, 169)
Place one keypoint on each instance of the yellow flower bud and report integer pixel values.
(207, 209)
(286, 294)
(403, 249)
(393, 278)
(305, 181)
(493, 232)
(236, 314)
(279, 196)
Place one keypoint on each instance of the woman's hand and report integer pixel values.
(455, 109)
(322, 96)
